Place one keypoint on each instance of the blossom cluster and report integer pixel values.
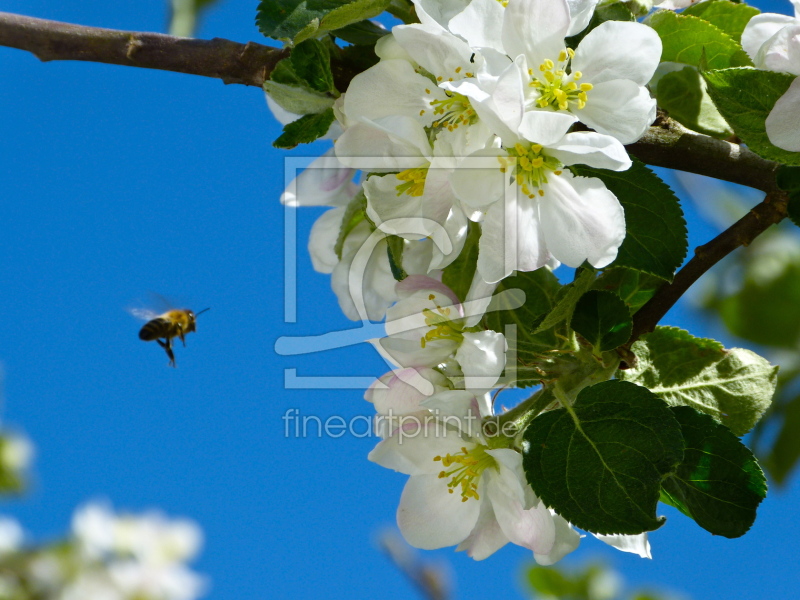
(109, 556)
(477, 118)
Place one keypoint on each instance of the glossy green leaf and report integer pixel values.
(733, 386)
(363, 33)
(656, 235)
(352, 12)
(298, 20)
(687, 39)
(601, 467)
(634, 287)
(719, 483)
(745, 97)
(730, 17)
(566, 299)
(602, 319)
(683, 95)
(312, 65)
(305, 130)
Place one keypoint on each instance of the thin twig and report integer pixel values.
(769, 212)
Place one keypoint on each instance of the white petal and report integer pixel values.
(415, 440)
(429, 517)
(600, 58)
(438, 11)
(619, 108)
(760, 28)
(478, 180)
(322, 240)
(545, 127)
(393, 213)
(325, 182)
(410, 353)
(487, 537)
(783, 126)
(391, 87)
(387, 48)
(535, 28)
(635, 544)
(481, 24)
(567, 540)
(482, 356)
(401, 391)
(512, 238)
(440, 52)
(781, 52)
(580, 12)
(581, 220)
(592, 149)
(392, 143)
(478, 299)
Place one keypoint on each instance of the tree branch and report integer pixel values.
(248, 64)
(769, 212)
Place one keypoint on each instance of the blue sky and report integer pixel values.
(116, 182)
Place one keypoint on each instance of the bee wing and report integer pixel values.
(143, 313)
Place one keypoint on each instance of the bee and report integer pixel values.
(162, 328)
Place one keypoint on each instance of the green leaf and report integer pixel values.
(184, 15)
(683, 94)
(656, 235)
(458, 274)
(764, 310)
(312, 64)
(601, 468)
(602, 319)
(745, 97)
(634, 287)
(730, 17)
(733, 386)
(788, 178)
(352, 12)
(298, 20)
(534, 293)
(550, 582)
(291, 93)
(785, 452)
(363, 33)
(612, 12)
(304, 130)
(395, 248)
(354, 213)
(686, 39)
(566, 300)
(719, 483)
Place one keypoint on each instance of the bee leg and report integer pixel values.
(183, 339)
(167, 346)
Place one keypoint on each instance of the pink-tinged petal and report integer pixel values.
(783, 126)
(599, 57)
(401, 391)
(418, 283)
(566, 540)
(482, 356)
(487, 537)
(325, 182)
(536, 28)
(581, 220)
(429, 517)
(593, 149)
(619, 108)
(635, 544)
(545, 127)
(761, 28)
(459, 404)
(512, 238)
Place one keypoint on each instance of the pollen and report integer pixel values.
(532, 169)
(453, 112)
(557, 88)
(413, 181)
(467, 468)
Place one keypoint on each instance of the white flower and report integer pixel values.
(601, 83)
(427, 326)
(462, 491)
(536, 210)
(11, 535)
(773, 42)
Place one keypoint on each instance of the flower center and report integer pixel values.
(441, 327)
(413, 180)
(532, 167)
(455, 110)
(468, 465)
(558, 89)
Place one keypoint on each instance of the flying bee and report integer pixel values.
(162, 328)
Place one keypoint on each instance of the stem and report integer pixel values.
(769, 212)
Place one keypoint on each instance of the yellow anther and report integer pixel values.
(458, 69)
(585, 87)
(562, 56)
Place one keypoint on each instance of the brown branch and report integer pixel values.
(248, 64)
(769, 212)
